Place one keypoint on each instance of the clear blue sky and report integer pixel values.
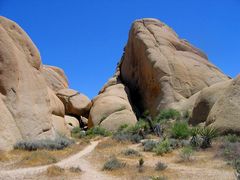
(86, 37)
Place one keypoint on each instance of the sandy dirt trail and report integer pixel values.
(89, 171)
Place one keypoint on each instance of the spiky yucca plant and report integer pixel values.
(195, 140)
(207, 133)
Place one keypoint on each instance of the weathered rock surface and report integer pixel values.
(55, 77)
(75, 103)
(205, 101)
(26, 105)
(225, 113)
(160, 69)
(219, 106)
(72, 122)
(112, 108)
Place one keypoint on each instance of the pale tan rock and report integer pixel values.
(118, 118)
(21, 81)
(84, 120)
(9, 132)
(55, 78)
(60, 125)
(56, 105)
(205, 101)
(26, 104)
(71, 121)
(111, 108)
(225, 113)
(161, 69)
(75, 103)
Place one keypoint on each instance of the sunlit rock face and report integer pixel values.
(28, 107)
(161, 69)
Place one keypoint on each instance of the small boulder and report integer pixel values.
(75, 103)
(71, 122)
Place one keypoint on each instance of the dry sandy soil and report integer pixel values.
(205, 165)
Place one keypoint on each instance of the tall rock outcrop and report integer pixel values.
(161, 69)
(29, 109)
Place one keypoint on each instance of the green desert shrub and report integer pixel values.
(140, 125)
(149, 145)
(160, 166)
(135, 138)
(112, 164)
(158, 178)
(186, 153)
(60, 142)
(132, 133)
(98, 131)
(121, 136)
(163, 147)
(131, 152)
(195, 141)
(180, 130)
(168, 114)
(232, 138)
(122, 128)
(230, 151)
(236, 165)
(77, 132)
(207, 134)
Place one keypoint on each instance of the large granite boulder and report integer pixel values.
(225, 113)
(160, 69)
(76, 104)
(205, 101)
(26, 111)
(112, 107)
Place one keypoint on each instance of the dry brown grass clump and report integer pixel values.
(3, 156)
(55, 171)
(38, 158)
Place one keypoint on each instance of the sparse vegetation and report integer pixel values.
(230, 151)
(75, 170)
(160, 166)
(131, 152)
(236, 164)
(60, 142)
(140, 165)
(149, 145)
(180, 130)
(121, 136)
(77, 132)
(168, 114)
(98, 131)
(55, 171)
(136, 138)
(186, 153)
(162, 147)
(232, 138)
(134, 133)
(159, 178)
(112, 164)
(38, 158)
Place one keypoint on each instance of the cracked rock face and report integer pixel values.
(161, 69)
(28, 110)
